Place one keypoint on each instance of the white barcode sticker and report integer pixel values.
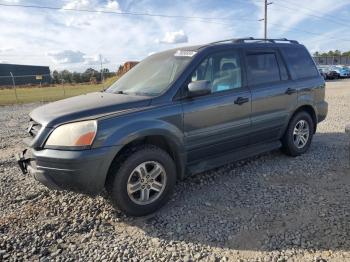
(185, 53)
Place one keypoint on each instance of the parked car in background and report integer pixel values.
(322, 73)
(346, 71)
(329, 73)
(342, 71)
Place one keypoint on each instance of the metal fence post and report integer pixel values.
(14, 86)
(347, 131)
(64, 90)
(42, 94)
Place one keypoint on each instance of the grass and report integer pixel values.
(47, 94)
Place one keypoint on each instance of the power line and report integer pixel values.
(298, 30)
(199, 18)
(315, 11)
(308, 10)
(279, 5)
(308, 32)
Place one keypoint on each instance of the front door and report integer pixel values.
(218, 122)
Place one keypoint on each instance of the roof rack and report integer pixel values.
(256, 40)
(276, 40)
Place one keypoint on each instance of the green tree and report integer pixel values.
(67, 76)
(76, 77)
(55, 77)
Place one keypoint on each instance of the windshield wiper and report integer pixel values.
(145, 94)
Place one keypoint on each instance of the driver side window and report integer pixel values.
(203, 71)
(222, 70)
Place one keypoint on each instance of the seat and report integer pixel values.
(229, 77)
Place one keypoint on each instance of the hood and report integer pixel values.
(84, 107)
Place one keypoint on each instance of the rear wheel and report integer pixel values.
(298, 136)
(143, 182)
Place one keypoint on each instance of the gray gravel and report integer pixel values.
(268, 208)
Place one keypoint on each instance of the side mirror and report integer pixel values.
(199, 88)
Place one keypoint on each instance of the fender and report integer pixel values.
(118, 132)
(301, 104)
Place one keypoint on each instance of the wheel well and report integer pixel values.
(309, 109)
(156, 140)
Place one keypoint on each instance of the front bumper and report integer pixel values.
(82, 171)
(23, 161)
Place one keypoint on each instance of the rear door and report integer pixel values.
(273, 94)
(218, 122)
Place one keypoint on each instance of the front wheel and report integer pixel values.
(298, 136)
(143, 181)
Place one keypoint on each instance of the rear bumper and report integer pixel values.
(322, 111)
(82, 171)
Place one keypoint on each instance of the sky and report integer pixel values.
(72, 40)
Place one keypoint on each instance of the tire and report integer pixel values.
(134, 173)
(290, 143)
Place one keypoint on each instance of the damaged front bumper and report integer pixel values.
(23, 160)
(82, 171)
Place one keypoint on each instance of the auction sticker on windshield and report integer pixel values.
(185, 53)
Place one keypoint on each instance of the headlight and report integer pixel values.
(79, 134)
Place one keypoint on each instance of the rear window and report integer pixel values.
(300, 62)
(262, 68)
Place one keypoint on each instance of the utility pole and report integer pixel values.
(265, 21)
(265, 18)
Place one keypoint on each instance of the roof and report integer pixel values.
(7, 69)
(18, 65)
(245, 41)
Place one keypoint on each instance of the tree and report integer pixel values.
(88, 75)
(332, 53)
(67, 76)
(76, 77)
(91, 74)
(55, 77)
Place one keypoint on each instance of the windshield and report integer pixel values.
(152, 76)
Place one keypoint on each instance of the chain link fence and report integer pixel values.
(39, 88)
(332, 60)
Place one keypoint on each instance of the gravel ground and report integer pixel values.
(268, 208)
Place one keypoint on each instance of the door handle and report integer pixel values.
(290, 91)
(241, 100)
(306, 89)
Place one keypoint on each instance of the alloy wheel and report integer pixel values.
(146, 182)
(301, 134)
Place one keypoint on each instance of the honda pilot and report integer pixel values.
(177, 113)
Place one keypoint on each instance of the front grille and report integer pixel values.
(33, 128)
